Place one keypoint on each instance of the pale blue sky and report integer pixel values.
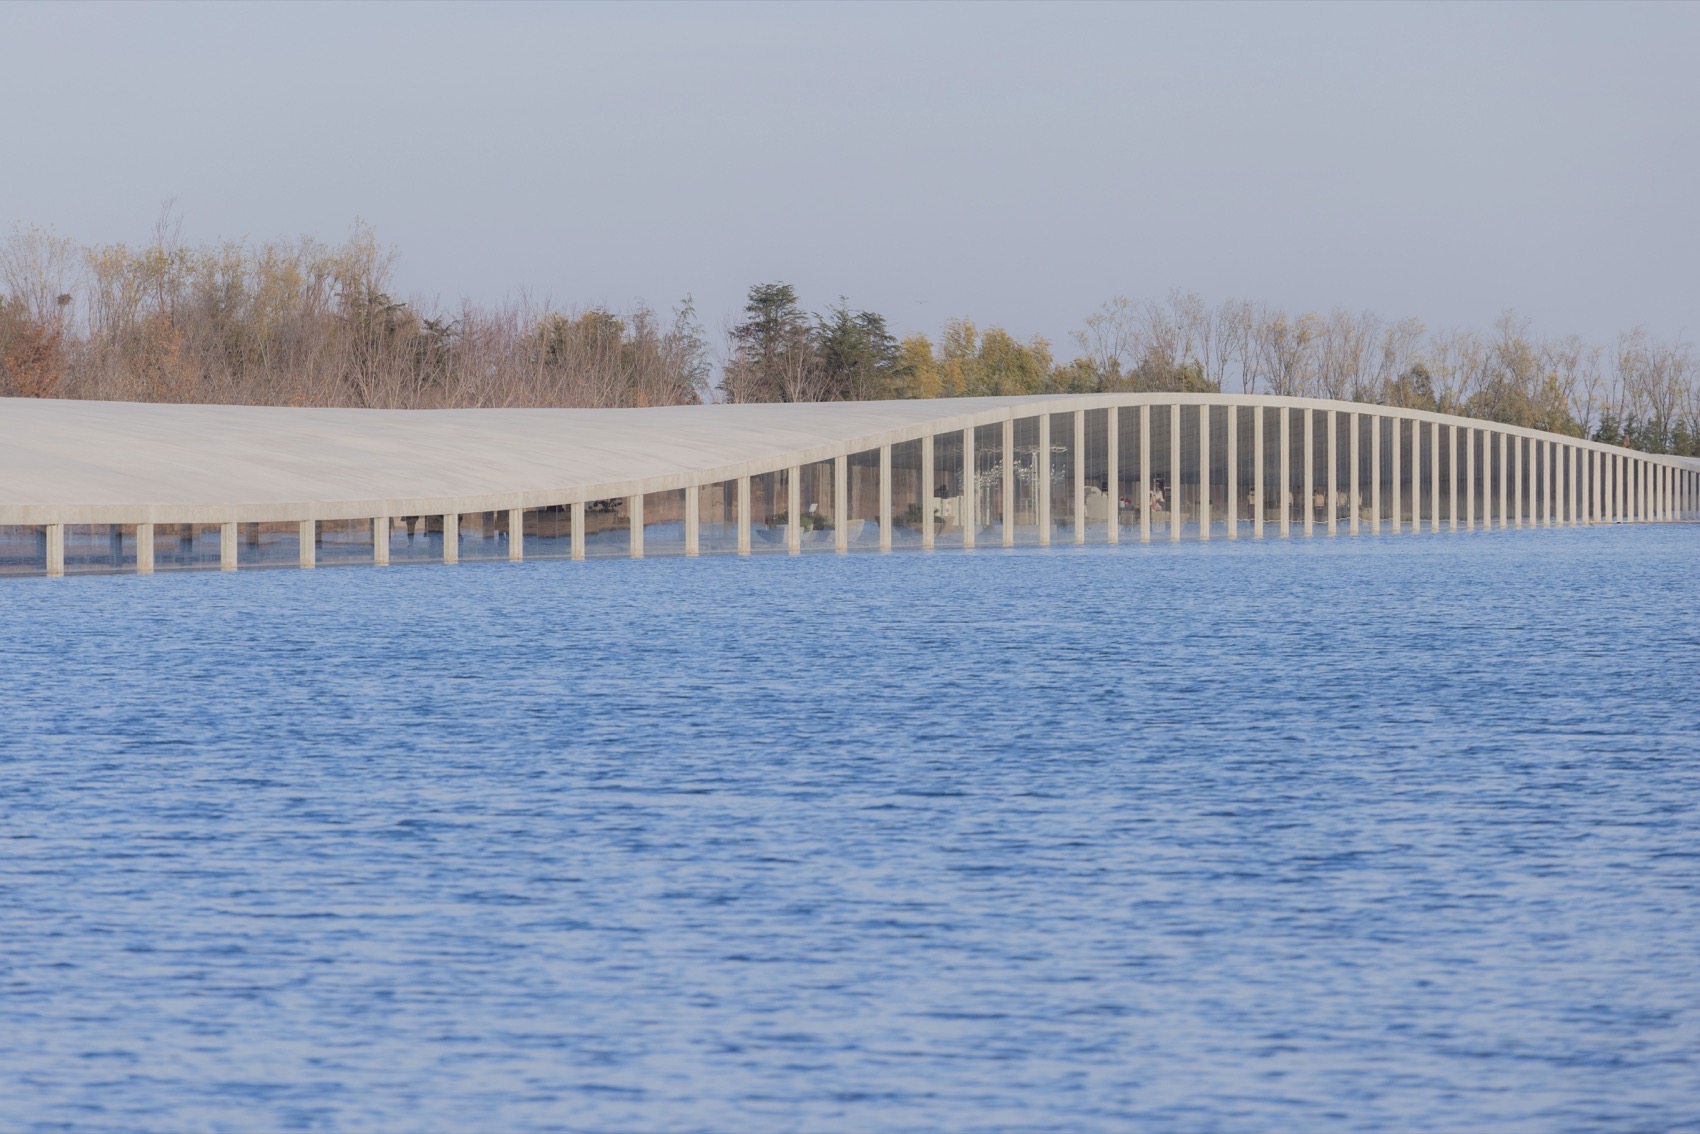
(1015, 164)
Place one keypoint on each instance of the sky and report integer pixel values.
(1014, 164)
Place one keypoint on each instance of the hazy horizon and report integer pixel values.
(1015, 165)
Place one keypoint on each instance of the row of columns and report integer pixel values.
(1619, 487)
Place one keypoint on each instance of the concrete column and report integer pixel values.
(1455, 453)
(1354, 484)
(1434, 476)
(841, 503)
(1113, 470)
(307, 537)
(1619, 487)
(885, 497)
(1204, 472)
(1145, 474)
(1233, 489)
(516, 529)
(1487, 480)
(380, 541)
(794, 510)
(1397, 484)
(1552, 478)
(1331, 494)
(1284, 488)
(970, 488)
(55, 550)
(1008, 486)
(1574, 498)
(578, 529)
(693, 520)
(227, 547)
(1174, 472)
(928, 455)
(1259, 489)
(1308, 459)
(1079, 476)
(451, 537)
(743, 515)
(1042, 489)
(634, 534)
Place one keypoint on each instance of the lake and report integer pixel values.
(1375, 832)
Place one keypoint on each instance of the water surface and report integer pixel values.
(1352, 833)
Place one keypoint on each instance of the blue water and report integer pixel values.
(1376, 833)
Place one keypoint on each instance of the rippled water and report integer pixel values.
(1343, 833)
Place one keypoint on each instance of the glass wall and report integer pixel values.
(185, 547)
(1099, 491)
(1162, 475)
(906, 511)
(820, 518)
(607, 528)
(549, 532)
(1127, 469)
(416, 539)
(988, 482)
(861, 526)
(769, 511)
(717, 518)
(272, 543)
(482, 535)
(100, 548)
(1027, 487)
(949, 489)
(23, 549)
(664, 522)
(1063, 457)
(1242, 422)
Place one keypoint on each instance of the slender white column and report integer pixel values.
(1009, 482)
(1259, 478)
(1042, 490)
(1355, 485)
(381, 541)
(885, 497)
(227, 547)
(144, 549)
(693, 520)
(1113, 473)
(1573, 499)
(577, 515)
(1396, 483)
(451, 538)
(794, 510)
(841, 502)
(1079, 476)
(1285, 457)
(1593, 486)
(1619, 488)
(1145, 474)
(1174, 472)
(634, 509)
(1455, 451)
(1375, 421)
(55, 534)
(1308, 460)
(1233, 491)
(1434, 476)
(971, 487)
(744, 515)
(1487, 480)
(307, 532)
(1551, 469)
(1204, 472)
(516, 528)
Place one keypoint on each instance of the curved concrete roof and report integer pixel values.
(115, 462)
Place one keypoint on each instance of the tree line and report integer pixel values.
(305, 323)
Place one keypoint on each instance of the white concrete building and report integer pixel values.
(104, 486)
